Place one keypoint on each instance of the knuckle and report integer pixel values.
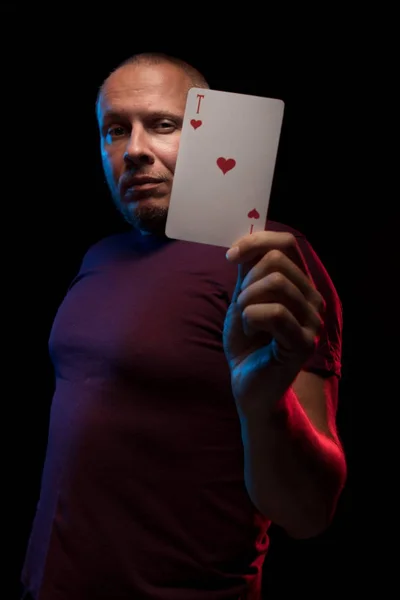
(319, 323)
(276, 279)
(290, 240)
(315, 321)
(274, 257)
(247, 315)
(278, 312)
(310, 340)
(275, 282)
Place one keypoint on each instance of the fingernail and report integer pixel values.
(233, 253)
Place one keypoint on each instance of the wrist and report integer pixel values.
(271, 409)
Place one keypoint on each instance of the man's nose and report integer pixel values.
(138, 150)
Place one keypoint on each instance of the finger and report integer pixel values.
(276, 320)
(258, 244)
(275, 288)
(276, 262)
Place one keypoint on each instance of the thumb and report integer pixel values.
(239, 282)
(233, 335)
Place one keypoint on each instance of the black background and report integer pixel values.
(55, 204)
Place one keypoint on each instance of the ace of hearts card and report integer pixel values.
(225, 166)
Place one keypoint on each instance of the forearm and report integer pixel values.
(293, 473)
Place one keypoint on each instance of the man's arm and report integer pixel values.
(295, 467)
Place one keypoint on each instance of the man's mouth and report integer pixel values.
(140, 183)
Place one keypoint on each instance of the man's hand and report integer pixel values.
(274, 319)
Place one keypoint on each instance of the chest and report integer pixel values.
(125, 322)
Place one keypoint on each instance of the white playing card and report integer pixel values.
(225, 166)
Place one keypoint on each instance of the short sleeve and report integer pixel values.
(327, 358)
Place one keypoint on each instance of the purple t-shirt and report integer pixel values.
(143, 493)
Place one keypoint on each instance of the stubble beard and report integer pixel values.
(147, 217)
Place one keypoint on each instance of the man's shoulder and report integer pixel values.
(108, 247)
(314, 263)
(113, 240)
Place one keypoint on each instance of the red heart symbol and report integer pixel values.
(253, 214)
(226, 164)
(195, 124)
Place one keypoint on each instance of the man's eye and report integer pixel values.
(115, 131)
(165, 125)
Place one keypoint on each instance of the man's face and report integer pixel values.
(140, 114)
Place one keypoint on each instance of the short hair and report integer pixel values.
(197, 79)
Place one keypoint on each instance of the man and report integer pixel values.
(195, 394)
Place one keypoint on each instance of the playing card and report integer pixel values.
(225, 166)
